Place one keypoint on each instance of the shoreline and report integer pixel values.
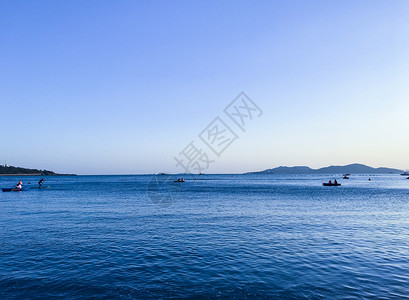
(34, 174)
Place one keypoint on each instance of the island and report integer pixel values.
(6, 170)
(348, 169)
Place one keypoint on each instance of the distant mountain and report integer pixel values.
(352, 169)
(10, 170)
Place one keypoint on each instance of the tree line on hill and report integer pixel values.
(10, 170)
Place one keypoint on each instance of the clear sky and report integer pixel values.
(121, 87)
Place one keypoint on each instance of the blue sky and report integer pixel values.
(121, 87)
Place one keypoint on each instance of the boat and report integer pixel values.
(345, 177)
(331, 184)
(405, 173)
(14, 190)
(178, 180)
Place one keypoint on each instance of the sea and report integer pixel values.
(210, 237)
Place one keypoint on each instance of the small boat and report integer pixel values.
(345, 177)
(405, 174)
(179, 180)
(14, 190)
(331, 184)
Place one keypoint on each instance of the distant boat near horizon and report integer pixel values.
(406, 173)
(331, 184)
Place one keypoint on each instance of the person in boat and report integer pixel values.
(335, 181)
(40, 183)
(19, 185)
(182, 180)
(330, 182)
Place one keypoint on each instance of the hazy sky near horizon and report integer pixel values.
(121, 87)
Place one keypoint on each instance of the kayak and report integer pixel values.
(14, 190)
(331, 184)
(179, 181)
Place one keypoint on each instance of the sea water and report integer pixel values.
(213, 236)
